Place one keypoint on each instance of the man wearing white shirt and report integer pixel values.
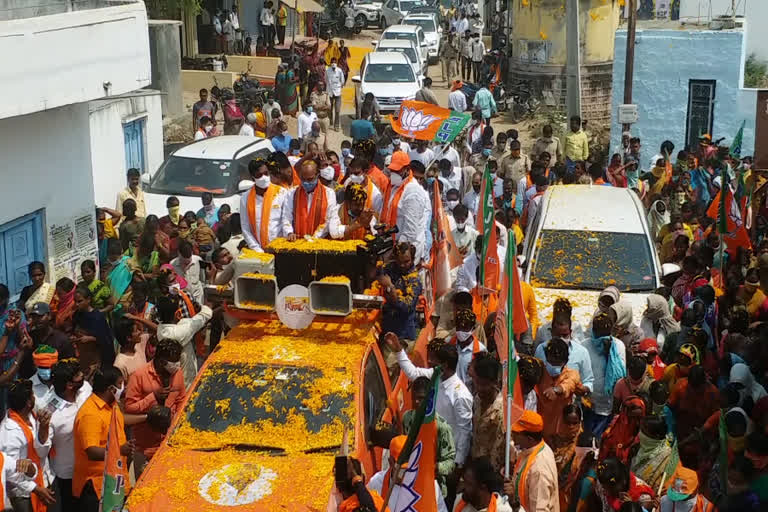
(267, 19)
(464, 234)
(463, 24)
(70, 390)
(252, 208)
(399, 145)
(448, 152)
(404, 205)
(181, 331)
(422, 153)
(454, 401)
(356, 175)
(247, 128)
(475, 130)
(449, 175)
(187, 265)
(477, 49)
(451, 203)
(14, 470)
(17, 427)
(334, 80)
(311, 209)
(466, 279)
(472, 198)
(305, 120)
(457, 100)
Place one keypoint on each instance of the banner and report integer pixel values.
(486, 226)
(115, 473)
(425, 121)
(446, 255)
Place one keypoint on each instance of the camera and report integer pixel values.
(380, 244)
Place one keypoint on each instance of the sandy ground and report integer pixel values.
(359, 47)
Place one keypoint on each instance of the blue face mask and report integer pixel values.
(296, 152)
(553, 371)
(309, 186)
(385, 151)
(430, 181)
(44, 373)
(309, 109)
(345, 152)
(486, 152)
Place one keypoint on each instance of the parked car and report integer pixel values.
(389, 77)
(585, 238)
(393, 11)
(368, 11)
(409, 49)
(218, 165)
(432, 32)
(410, 32)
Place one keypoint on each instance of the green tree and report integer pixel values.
(171, 9)
(755, 73)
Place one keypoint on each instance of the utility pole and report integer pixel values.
(629, 68)
(573, 65)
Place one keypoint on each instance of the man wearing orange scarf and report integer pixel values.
(404, 205)
(480, 489)
(353, 490)
(310, 209)
(24, 436)
(356, 175)
(533, 483)
(261, 207)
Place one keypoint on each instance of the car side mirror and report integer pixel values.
(356, 79)
(374, 43)
(439, 30)
(146, 178)
(423, 43)
(244, 185)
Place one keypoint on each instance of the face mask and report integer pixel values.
(461, 225)
(44, 373)
(174, 289)
(395, 179)
(333, 66)
(315, 133)
(451, 204)
(430, 182)
(119, 392)
(262, 181)
(345, 152)
(327, 173)
(385, 151)
(309, 186)
(463, 336)
(395, 142)
(173, 213)
(208, 207)
(285, 133)
(476, 188)
(309, 109)
(183, 233)
(295, 152)
(172, 368)
(356, 179)
(553, 371)
(208, 128)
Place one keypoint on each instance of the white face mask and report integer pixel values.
(461, 225)
(172, 368)
(451, 204)
(119, 392)
(262, 181)
(395, 179)
(463, 336)
(327, 173)
(208, 128)
(356, 179)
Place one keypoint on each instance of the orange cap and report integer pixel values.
(684, 483)
(396, 446)
(399, 160)
(529, 422)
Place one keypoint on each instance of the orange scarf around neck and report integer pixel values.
(37, 504)
(491, 505)
(522, 467)
(357, 234)
(266, 209)
(389, 209)
(475, 343)
(307, 223)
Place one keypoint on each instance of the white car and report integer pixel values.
(411, 33)
(432, 32)
(409, 49)
(218, 165)
(585, 238)
(389, 77)
(393, 11)
(368, 11)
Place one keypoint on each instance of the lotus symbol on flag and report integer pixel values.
(414, 120)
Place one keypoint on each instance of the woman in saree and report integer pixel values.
(577, 485)
(287, 90)
(616, 483)
(162, 240)
(92, 336)
(653, 451)
(331, 52)
(63, 304)
(343, 59)
(101, 296)
(145, 260)
(39, 290)
(657, 321)
(621, 435)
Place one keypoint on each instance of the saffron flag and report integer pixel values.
(446, 256)
(510, 322)
(115, 472)
(486, 226)
(420, 454)
(726, 211)
(425, 121)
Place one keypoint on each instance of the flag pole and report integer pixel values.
(510, 266)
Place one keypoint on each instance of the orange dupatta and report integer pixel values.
(37, 505)
(389, 209)
(352, 503)
(357, 234)
(522, 467)
(307, 224)
(266, 209)
(491, 506)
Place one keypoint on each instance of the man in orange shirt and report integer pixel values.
(159, 382)
(90, 432)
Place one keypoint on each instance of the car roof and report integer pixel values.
(593, 208)
(402, 28)
(387, 58)
(396, 43)
(419, 16)
(224, 147)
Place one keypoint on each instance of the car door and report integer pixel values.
(422, 44)
(373, 405)
(389, 13)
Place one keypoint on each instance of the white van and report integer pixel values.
(389, 77)
(585, 238)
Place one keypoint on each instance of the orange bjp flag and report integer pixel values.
(115, 472)
(445, 255)
(425, 121)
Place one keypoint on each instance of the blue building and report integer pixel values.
(687, 82)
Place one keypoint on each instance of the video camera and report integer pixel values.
(380, 244)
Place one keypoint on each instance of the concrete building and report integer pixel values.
(538, 52)
(687, 81)
(74, 119)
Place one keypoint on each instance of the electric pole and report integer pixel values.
(573, 65)
(629, 67)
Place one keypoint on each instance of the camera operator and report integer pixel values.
(355, 494)
(401, 287)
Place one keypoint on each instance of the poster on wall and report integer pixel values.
(73, 242)
(663, 9)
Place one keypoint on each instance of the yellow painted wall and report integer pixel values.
(193, 80)
(545, 20)
(261, 67)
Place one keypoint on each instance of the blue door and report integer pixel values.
(133, 133)
(21, 242)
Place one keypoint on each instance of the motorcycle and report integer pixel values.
(352, 24)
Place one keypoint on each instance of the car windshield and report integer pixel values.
(408, 36)
(192, 176)
(408, 5)
(387, 73)
(281, 397)
(409, 52)
(591, 260)
(426, 24)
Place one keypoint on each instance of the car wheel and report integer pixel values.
(383, 22)
(361, 20)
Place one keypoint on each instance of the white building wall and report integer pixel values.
(47, 166)
(704, 10)
(106, 121)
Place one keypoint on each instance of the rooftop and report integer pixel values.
(716, 25)
(593, 208)
(221, 148)
(22, 9)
